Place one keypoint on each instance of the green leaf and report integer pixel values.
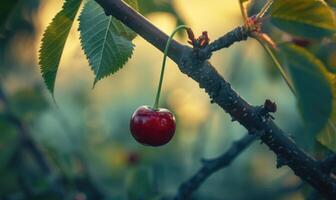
(326, 52)
(105, 40)
(54, 39)
(312, 84)
(306, 18)
(327, 136)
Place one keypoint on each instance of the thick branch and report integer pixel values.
(220, 92)
(211, 166)
(329, 164)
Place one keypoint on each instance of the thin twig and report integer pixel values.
(211, 166)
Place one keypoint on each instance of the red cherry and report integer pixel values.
(154, 127)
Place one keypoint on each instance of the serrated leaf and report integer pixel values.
(54, 39)
(105, 40)
(313, 86)
(306, 18)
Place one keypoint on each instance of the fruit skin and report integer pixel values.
(153, 127)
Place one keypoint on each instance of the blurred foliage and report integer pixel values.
(326, 52)
(307, 18)
(308, 72)
(331, 2)
(165, 6)
(7, 7)
(85, 137)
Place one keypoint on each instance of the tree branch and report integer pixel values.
(211, 166)
(25, 138)
(220, 92)
(329, 164)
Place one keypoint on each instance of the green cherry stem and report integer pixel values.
(157, 98)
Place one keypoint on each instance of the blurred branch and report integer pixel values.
(220, 92)
(26, 142)
(25, 138)
(211, 166)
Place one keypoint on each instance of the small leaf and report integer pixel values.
(306, 18)
(312, 84)
(105, 40)
(54, 39)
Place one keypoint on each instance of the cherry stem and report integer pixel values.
(264, 9)
(243, 10)
(157, 98)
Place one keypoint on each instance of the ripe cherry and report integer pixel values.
(153, 127)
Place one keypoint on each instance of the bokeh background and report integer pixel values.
(84, 135)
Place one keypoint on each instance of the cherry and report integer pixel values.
(153, 127)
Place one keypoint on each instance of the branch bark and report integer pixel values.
(211, 166)
(329, 164)
(221, 93)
